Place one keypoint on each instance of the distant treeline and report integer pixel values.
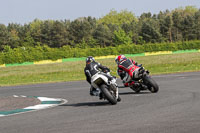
(115, 33)
(115, 28)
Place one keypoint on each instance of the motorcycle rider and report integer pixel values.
(127, 70)
(92, 67)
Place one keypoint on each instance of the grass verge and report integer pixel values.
(71, 71)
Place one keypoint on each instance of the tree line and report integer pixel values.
(113, 29)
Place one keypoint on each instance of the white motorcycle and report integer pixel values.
(107, 87)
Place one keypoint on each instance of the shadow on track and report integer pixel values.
(88, 104)
(121, 87)
(133, 93)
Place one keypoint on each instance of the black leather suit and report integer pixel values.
(92, 68)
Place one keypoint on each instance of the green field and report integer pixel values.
(71, 71)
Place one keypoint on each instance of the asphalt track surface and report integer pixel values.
(174, 109)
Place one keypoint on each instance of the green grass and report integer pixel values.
(71, 71)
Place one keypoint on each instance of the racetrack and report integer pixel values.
(174, 109)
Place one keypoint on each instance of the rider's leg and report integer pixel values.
(94, 91)
(127, 78)
(134, 75)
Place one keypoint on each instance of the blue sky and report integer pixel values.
(25, 11)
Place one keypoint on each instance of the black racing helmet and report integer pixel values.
(89, 59)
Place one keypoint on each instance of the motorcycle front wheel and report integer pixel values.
(152, 85)
(108, 95)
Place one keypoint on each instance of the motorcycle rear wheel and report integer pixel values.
(108, 95)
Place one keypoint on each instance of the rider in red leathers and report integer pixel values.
(127, 70)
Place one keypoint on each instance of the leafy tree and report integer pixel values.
(183, 19)
(120, 37)
(132, 31)
(197, 24)
(14, 39)
(169, 24)
(103, 35)
(35, 30)
(188, 25)
(144, 16)
(91, 42)
(150, 31)
(177, 18)
(28, 41)
(115, 18)
(190, 10)
(15, 35)
(3, 36)
(46, 32)
(166, 25)
(82, 44)
(58, 34)
(81, 28)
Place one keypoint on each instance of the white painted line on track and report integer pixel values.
(40, 106)
(47, 99)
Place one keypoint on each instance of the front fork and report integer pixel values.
(114, 89)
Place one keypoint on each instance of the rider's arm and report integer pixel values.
(103, 68)
(119, 71)
(88, 77)
(135, 63)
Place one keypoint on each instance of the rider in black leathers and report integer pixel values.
(92, 67)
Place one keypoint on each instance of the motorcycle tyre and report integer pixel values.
(108, 95)
(151, 83)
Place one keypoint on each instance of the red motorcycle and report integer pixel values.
(144, 82)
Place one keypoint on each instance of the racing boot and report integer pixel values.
(134, 84)
(94, 91)
(126, 84)
(129, 84)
